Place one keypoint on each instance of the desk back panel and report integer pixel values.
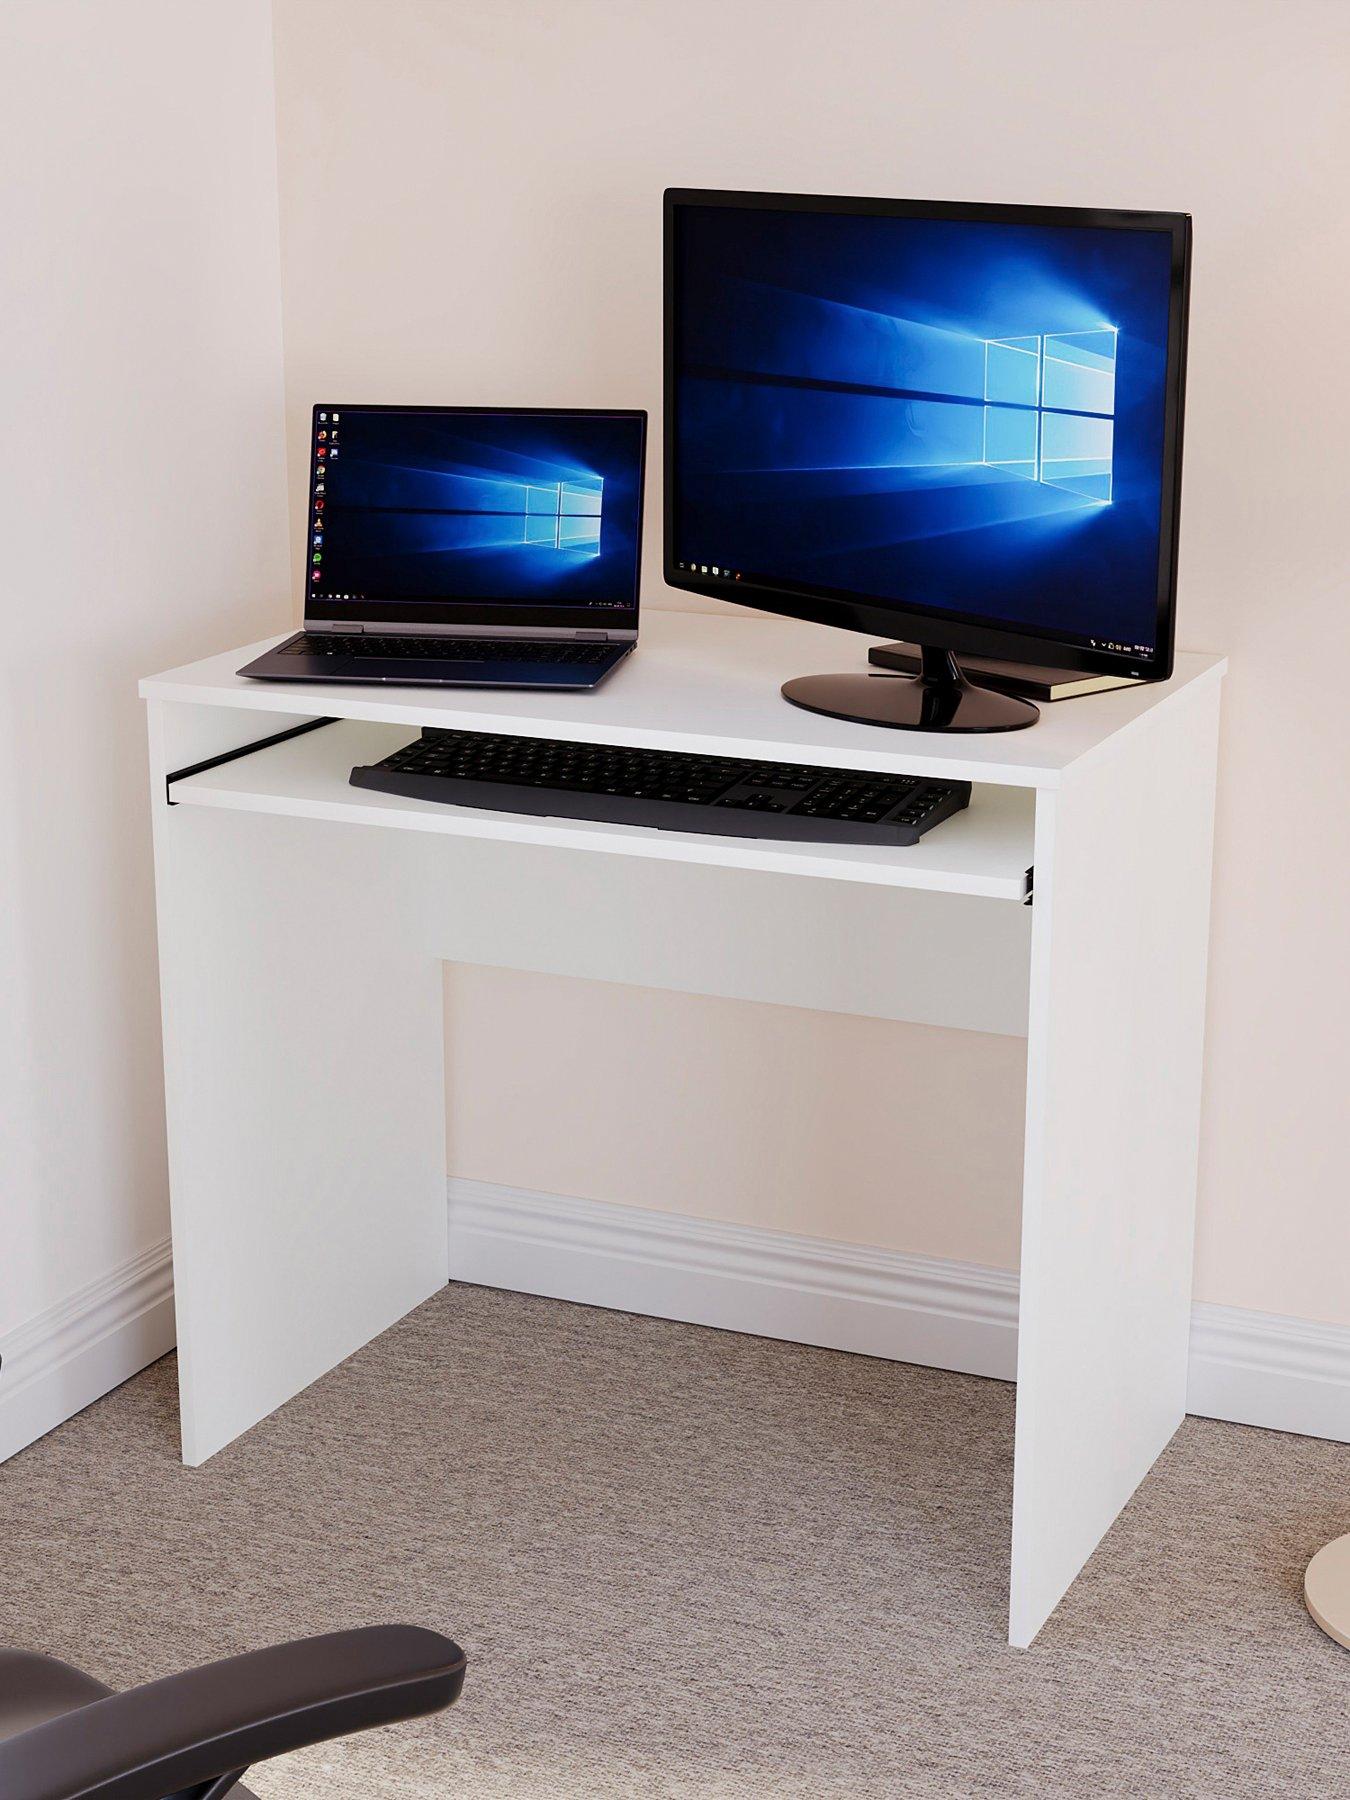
(887, 953)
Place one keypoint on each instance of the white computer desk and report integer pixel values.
(302, 922)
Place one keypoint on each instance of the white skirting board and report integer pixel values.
(57, 1363)
(1252, 1368)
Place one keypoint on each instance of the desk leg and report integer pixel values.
(305, 1095)
(1119, 944)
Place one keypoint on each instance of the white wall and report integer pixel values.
(766, 1115)
(471, 206)
(142, 522)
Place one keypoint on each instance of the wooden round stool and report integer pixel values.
(1326, 1588)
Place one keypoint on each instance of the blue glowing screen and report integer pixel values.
(961, 416)
(527, 509)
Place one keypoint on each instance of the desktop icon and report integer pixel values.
(321, 451)
(323, 415)
(336, 417)
(315, 575)
(334, 453)
(322, 436)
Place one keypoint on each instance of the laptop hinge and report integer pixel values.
(553, 634)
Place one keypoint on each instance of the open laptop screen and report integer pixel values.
(455, 514)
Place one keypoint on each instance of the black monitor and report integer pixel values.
(954, 424)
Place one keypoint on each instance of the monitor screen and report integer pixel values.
(958, 417)
(423, 509)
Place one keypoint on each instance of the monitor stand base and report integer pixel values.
(1029, 681)
(939, 698)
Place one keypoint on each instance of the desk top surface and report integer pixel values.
(710, 683)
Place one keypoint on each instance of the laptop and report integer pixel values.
(457, 546)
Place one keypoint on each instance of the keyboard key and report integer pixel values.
(456, 650)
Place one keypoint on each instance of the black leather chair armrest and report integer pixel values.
(153, 1741)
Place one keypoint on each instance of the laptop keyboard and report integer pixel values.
(445, 649)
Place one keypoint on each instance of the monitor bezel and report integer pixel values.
(322, 609)
(910, 620)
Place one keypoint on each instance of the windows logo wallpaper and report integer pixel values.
(958, 415)
(519, 508)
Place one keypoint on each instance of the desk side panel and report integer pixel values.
(1116, 1026)
(304, 1083)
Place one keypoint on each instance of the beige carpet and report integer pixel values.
(686, 1563)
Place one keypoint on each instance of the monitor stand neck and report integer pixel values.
(938, 698)
(939, 669)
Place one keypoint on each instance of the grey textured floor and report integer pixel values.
(686, 1563)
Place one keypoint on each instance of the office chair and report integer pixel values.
(64, 1736)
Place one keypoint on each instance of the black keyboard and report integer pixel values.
(445, 649)
(721, 796)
